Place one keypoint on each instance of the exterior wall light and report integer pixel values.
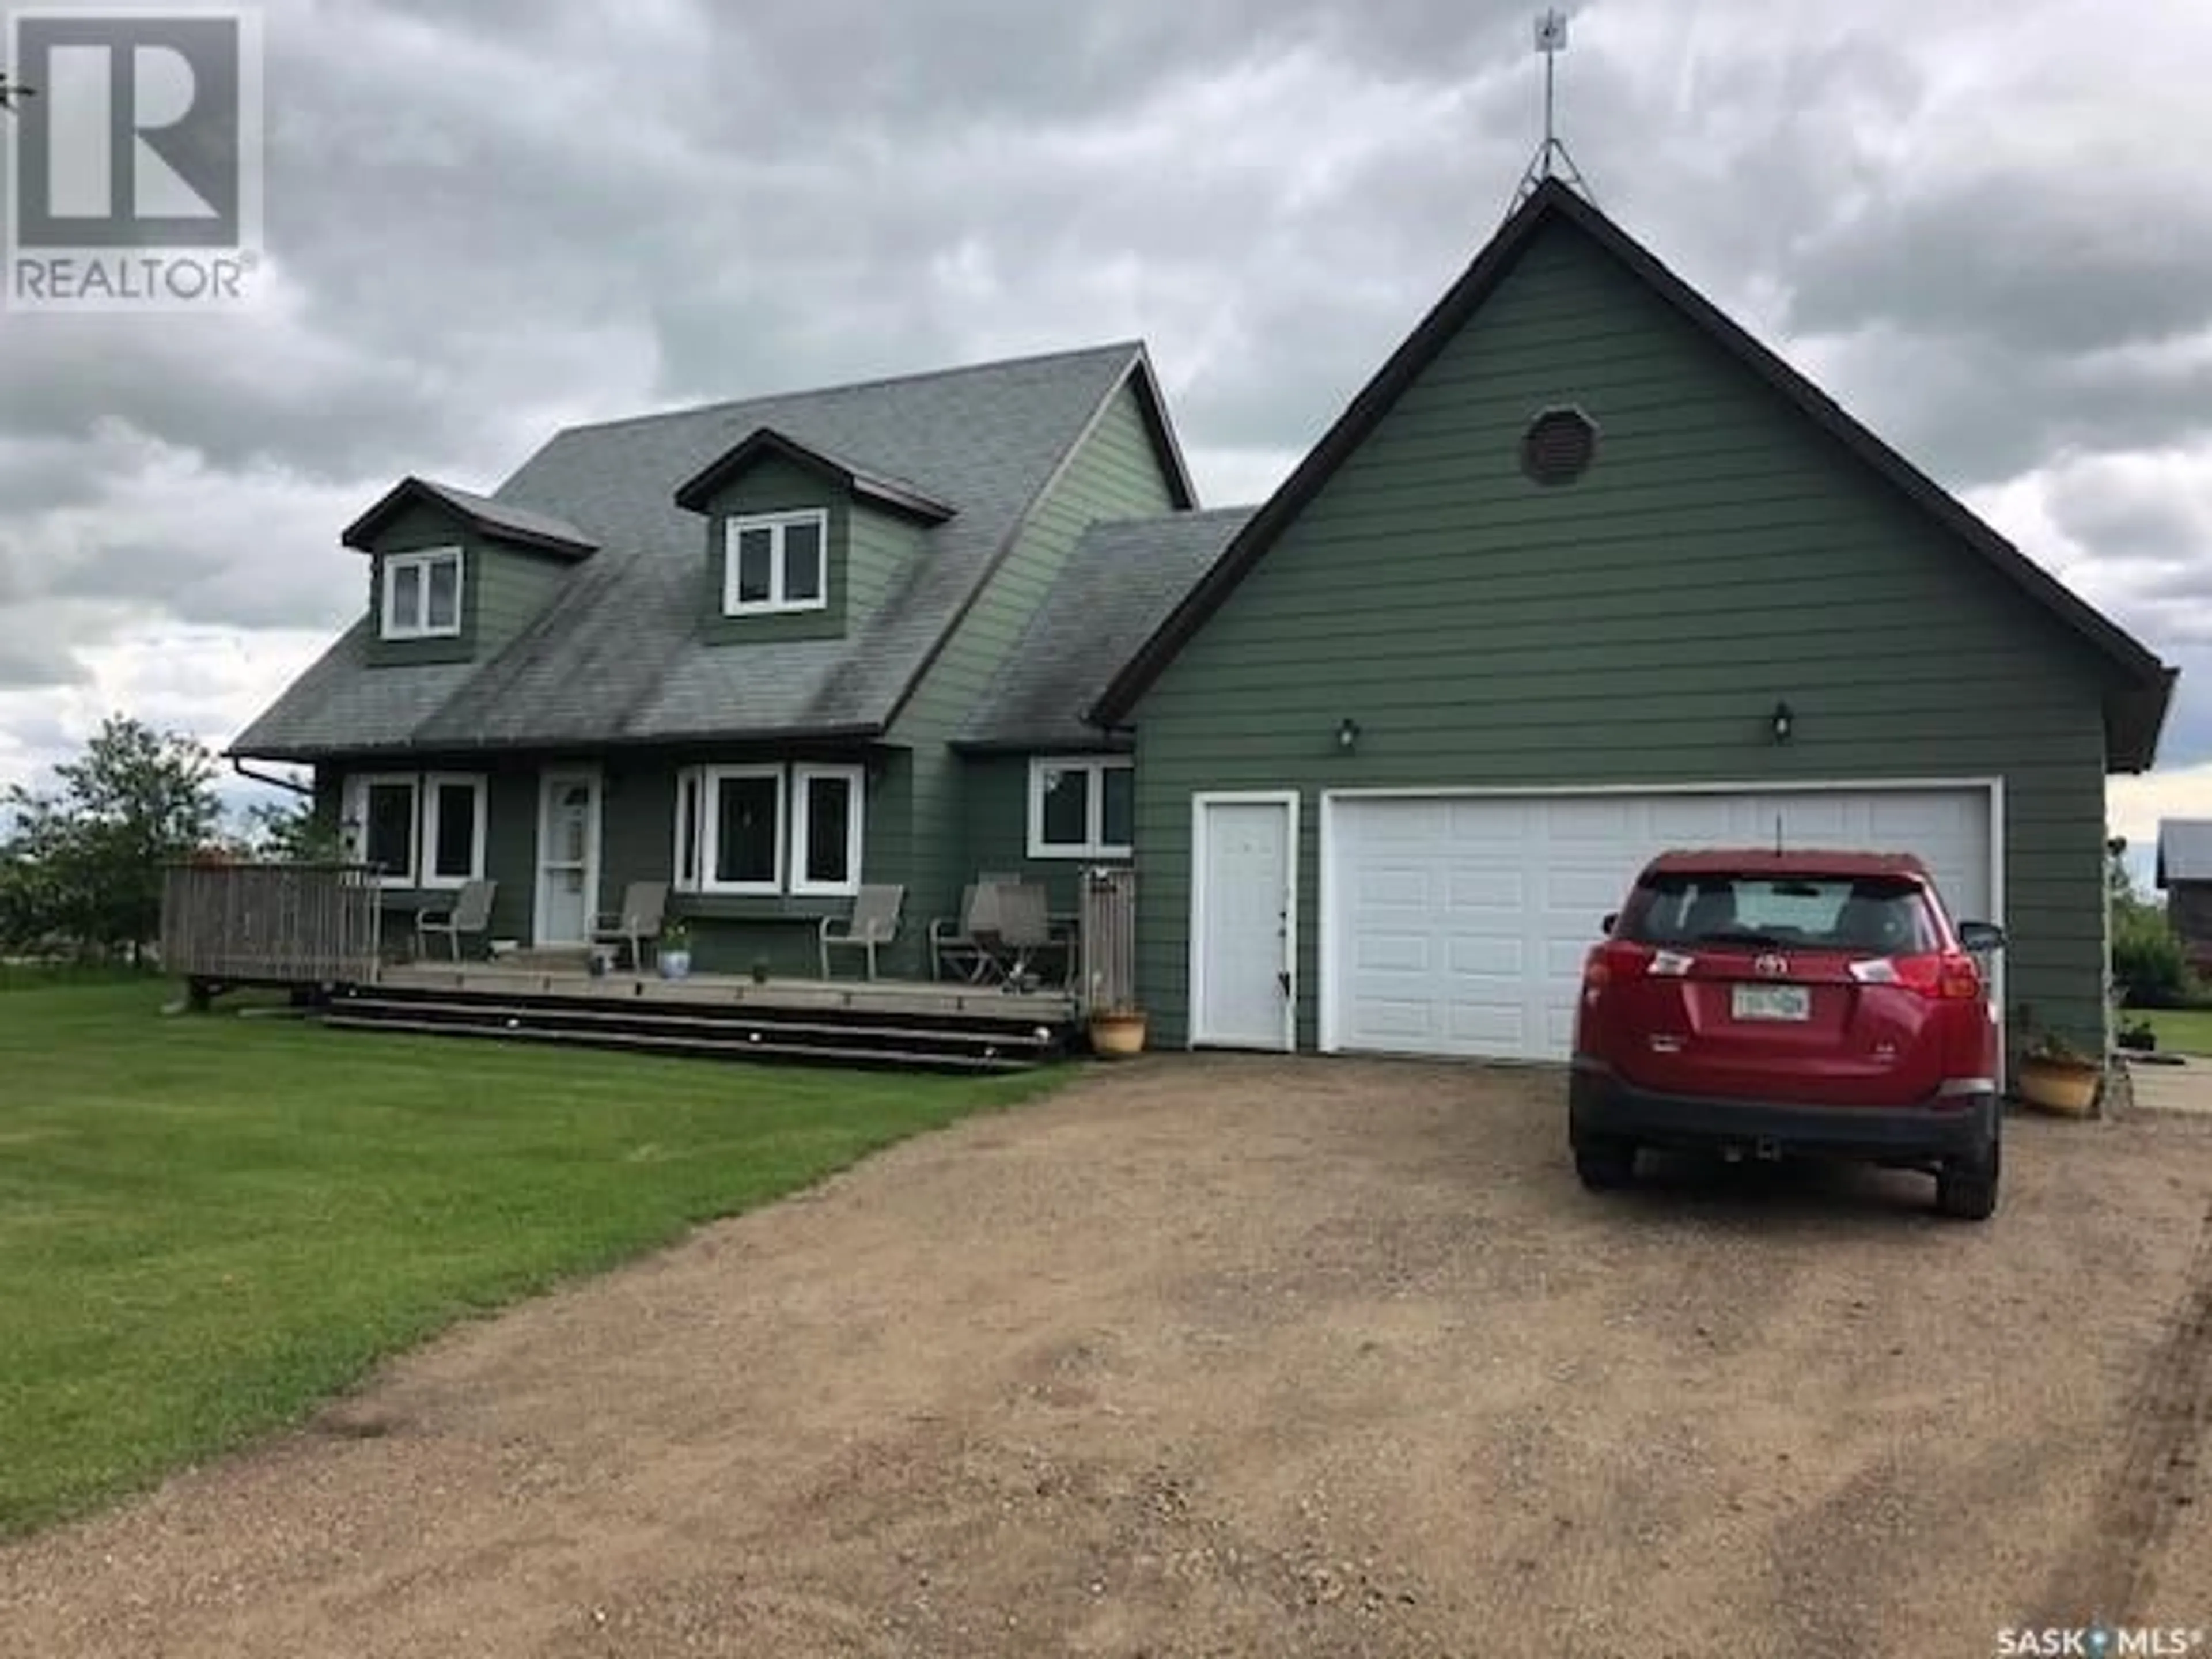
(1347, 735)
(1784, 721)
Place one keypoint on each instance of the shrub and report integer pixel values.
(2149, 964)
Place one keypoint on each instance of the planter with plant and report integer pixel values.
(2055, 1075)
(674, 955)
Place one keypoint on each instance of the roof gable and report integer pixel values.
(501, 520)
(2141, 685)
(697, 493)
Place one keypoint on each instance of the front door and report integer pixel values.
(568, 857)
(1243, 922)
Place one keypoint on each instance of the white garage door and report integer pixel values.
(1457, 924)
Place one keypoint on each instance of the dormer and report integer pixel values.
(801, 543)
(454, 575)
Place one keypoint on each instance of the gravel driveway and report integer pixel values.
(1250, 1356)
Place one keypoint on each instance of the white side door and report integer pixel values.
(1244, 920)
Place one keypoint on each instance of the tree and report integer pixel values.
(83, 863)
(2149, 966)
(290, 832)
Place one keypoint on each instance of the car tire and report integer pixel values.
(1967, 1188)
(1605, 1166)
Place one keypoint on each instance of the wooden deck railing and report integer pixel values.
(271, 923)
(1108, 933)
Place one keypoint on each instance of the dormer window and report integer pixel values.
(423, 594)
(776, 562)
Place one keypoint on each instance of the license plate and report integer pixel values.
(1772, 1002)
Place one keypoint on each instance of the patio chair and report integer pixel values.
(643, 906)
(952, 948)
(874, 922)
(1011, 922)
(470, 912)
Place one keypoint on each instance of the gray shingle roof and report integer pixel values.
(617, 655)
(2185, 850)
(1120, 584)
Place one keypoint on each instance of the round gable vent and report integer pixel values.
(1559, 447)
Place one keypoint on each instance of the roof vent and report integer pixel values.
(1559, 447)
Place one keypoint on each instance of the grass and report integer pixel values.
(2180, 1030)
(209, 1224)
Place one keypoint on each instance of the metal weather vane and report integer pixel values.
(1551, 159)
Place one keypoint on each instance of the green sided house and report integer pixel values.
(732, 649)
(1583, 573)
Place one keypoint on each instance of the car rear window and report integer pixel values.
(1874, 915)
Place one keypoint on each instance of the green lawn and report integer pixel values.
(207, 1223)
(2180, 1030)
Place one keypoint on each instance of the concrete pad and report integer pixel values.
(2164, 1087)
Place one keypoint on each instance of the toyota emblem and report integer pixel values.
(1773, 967)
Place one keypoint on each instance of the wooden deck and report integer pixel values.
(895, 1022)
(909, 998)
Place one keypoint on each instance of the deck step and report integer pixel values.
(512, 1013)
(691, 1044)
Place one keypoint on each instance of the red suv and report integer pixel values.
(1760, 1002)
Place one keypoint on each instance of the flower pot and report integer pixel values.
(1116, 1036)
(675, 964)
(2065, 1086)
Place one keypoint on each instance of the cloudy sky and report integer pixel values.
(1986, 229)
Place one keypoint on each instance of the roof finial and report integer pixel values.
(1552, 157)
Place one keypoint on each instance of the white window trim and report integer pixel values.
(712, 778)
(418, 626)
(1094, 844)
(855, 830)
(427, 841)
(777, 524)
(356, 813)
(695, 778)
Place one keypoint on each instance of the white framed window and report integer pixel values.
(453, 820)
(423, 594)
(730, 829)
(690, 830)
(769, 830)
(825, 829)
(1083, 807)
(775, 561)
(420, 829)
(383, 820)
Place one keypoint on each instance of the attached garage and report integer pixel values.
(1405, 743)
(1455, 923)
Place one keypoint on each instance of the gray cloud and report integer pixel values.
(490, 220)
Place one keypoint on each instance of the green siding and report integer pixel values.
(503, 589)
(1115, 473)
(869, 551)
(995, 788)
(1637, 627)
(510, 841)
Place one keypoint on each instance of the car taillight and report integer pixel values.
(1622, 959)
(1946, 977)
